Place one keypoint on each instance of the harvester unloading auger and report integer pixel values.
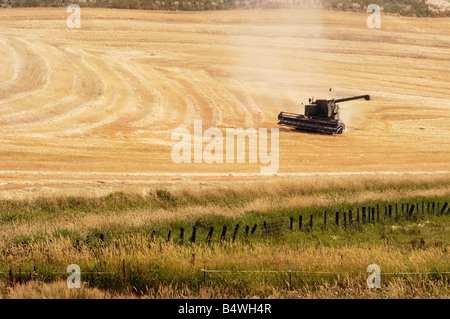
(321, 116)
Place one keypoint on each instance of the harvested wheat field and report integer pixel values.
(92, 110)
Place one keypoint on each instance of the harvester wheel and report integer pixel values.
(340, 130)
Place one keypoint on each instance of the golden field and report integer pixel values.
(91, 110)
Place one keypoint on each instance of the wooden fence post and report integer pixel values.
(311, 223)
(411, 211)
(224, 233)
(194, 233)
(357, 215)
(152, 237)
(345, 220)
(290, 276)
(181, 236)
(325, 221)
(11, 278)
(20, 276)
(337, 219)
(247, 229)
(123, 270)
(300, 221)
(373, 215)
(204, 272)
(443, 208)
(235, 232)
(350, 217)
(168, 235)
(390, 211)
(363, 213)
(291, 223)
(254, 229)
(77, 244)
(210, 233)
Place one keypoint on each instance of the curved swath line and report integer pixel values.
(77, 100)
(156, 113)
(82, 89)
(118, 121)
(190, 106)
(25, 112)
(83, 116)
(227, 97)
(253, 108)
(118, 108)
(134, 120)
(171, 116)
(248, 114)
(112, 101)
(162, 114)
(33, 108)
(213, 102)
(203, 109)
(216, 95)
(10, 63)
(65, 120)
(168, 103)
(44, 111)
(29, 75)
(209, 91)
(232, 109)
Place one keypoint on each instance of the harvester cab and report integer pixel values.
(322, 108)
(321, 116)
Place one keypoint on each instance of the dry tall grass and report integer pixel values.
(156, 269)
(348, 262)
(235, 200)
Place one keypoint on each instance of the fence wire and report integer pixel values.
(318, 272)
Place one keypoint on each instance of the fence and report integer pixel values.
(19, 277)
(291, 272)
(359, 216)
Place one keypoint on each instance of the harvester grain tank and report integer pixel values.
(321, 116)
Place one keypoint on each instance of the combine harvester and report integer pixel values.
(321, 116)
